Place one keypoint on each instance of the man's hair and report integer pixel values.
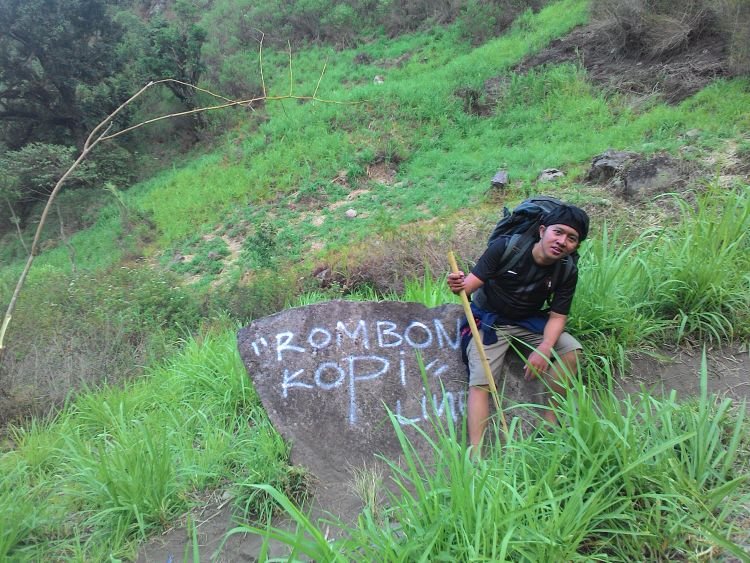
(569, 215)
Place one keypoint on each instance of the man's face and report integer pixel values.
(558, 241)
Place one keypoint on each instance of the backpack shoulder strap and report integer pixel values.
(563, 271)
(517, 245)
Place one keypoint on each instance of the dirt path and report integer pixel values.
(212, 523)
(728, 373)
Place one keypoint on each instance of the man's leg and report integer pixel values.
(557, 378)
(478, 403)
(479, 411)
(557, 375)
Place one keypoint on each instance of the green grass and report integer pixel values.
(706, 286)
(628, 479)
(685, 282)
(119, 464)
(304, 142)
(268, 168)
(443, 156)
(612, 306)
(97, 247)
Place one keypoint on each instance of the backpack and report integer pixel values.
(524, 219)
(521, 226)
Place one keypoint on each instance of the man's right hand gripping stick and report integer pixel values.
(478, 343)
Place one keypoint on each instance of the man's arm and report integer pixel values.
(539, 359)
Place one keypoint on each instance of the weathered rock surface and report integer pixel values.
(500, 180)
(550, 175)
(609, 164)
(634, 177)
(657, 175)
(328, 374)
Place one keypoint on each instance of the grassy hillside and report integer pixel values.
(136, 314)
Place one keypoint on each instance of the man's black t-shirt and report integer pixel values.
(524, 290)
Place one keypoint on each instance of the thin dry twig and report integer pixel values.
(260, 60)
(90, 143)
(17, 222)
(325, 65)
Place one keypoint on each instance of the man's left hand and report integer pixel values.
(535, 365)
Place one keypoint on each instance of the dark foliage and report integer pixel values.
(174, 51)
(57, 62)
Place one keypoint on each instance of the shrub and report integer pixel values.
(384, 264)
(228, 53)
(481, 20)
(259, 249)
(237, 76)
(114, 164)
(261, 293)
(477, 21)
(652, 28)
(30, 173)
(341, 25)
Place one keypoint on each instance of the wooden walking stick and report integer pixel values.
(478, 343)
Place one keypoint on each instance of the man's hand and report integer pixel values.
(456, 282)
(537, 363)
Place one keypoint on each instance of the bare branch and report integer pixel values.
(320, 78)
(187, 112)
(199, 89)
(88, 144)
(291, 77)
(260, 61)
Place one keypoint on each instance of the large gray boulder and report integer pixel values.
(328, 374)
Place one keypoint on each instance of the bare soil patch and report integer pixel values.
(679, 369)
(382, 172)
(672, 76)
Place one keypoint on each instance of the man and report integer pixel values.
(526, 304)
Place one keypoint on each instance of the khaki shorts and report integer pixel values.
(521, 339)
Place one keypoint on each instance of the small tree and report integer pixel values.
(174, 49)
(31, 172)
